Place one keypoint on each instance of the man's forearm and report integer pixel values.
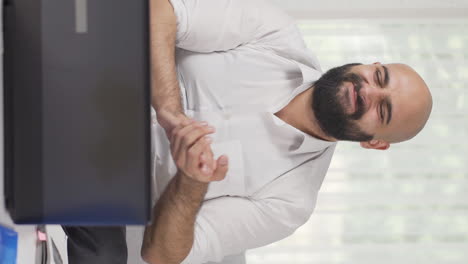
(169, 238)
(164, 84)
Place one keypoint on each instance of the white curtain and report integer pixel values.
(409, 204)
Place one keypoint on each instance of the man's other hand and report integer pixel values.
(191, 151)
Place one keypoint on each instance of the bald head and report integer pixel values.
(411, 103)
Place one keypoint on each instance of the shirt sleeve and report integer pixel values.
(220, 25)
(231, 225)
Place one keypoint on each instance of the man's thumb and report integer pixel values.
(221, 168)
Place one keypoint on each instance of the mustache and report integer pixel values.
(357, 81)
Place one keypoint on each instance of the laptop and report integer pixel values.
(77, 111)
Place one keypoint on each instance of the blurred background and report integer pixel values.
(408, 204)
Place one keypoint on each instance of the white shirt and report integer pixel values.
(238, 63)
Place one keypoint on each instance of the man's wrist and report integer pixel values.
(186, 181)
(170, 108)
(190, 189)
(170, 118)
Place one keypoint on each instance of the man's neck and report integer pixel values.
(299, 114)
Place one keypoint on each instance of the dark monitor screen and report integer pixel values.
(77, 111)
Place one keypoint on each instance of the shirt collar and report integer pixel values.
(309, 74)
(312, 144)
(305, 142)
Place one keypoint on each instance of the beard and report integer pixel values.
(330, 112)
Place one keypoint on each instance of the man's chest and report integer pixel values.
(259, 151)
(235, 78)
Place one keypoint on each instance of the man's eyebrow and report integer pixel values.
(388, 104)
(386, 77)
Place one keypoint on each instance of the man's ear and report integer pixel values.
(375, 144)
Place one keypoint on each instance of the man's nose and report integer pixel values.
(372, 93)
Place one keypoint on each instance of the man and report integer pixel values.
(242, 67)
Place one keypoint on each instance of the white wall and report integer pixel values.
(313, 9)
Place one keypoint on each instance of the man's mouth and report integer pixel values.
(352, 97)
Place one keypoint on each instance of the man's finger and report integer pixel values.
(178, 134)
(196, 132)
(185, 138)
(209, 153)
(190, 139)
(222, 165)
(175, 142)
(209, 158)
(194, 155)
(179, 127)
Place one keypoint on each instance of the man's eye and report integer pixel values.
(379, 79)
(381, 113)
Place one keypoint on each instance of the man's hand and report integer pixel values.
(170, 120)
(191, 151)
(174, 124)
(170, 236)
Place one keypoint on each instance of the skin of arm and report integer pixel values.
(169, 238)
(165, 98)
(165, 90)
